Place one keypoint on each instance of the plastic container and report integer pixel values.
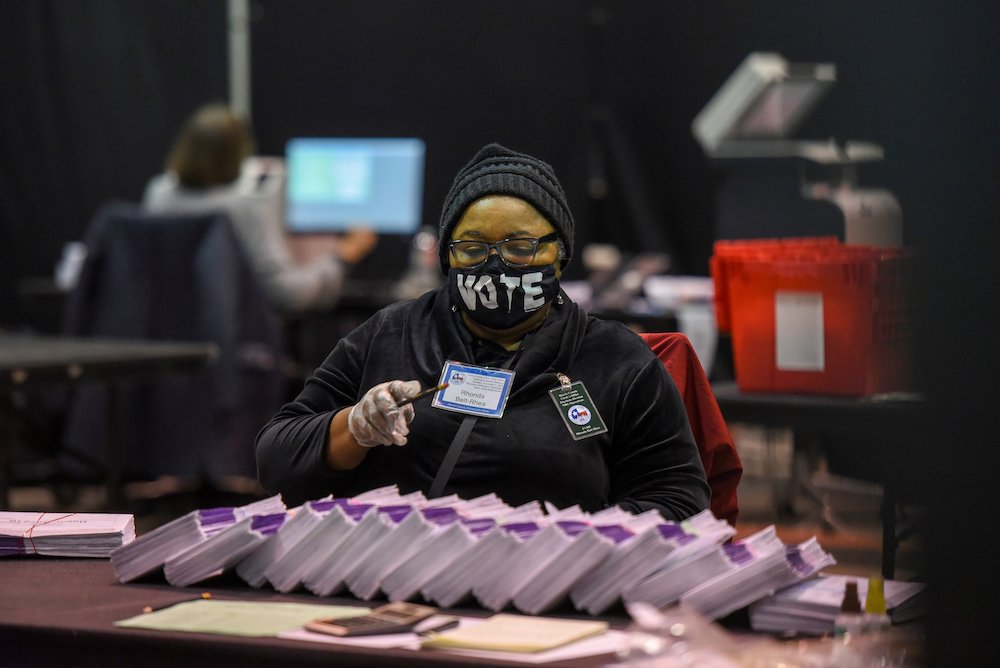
(813, 315)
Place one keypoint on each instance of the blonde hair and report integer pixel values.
(210, 147)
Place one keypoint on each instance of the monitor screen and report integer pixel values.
(336, 184)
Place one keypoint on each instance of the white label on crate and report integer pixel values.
(798, 331)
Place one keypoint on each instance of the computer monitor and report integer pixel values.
(334, 184)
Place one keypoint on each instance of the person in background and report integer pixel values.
(203, 174)
(590, 416)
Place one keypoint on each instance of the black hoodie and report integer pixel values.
(647, 459)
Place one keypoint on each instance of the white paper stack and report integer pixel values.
(64, 534)
(490, 555)
(290, 570)
(665, 586)
(331, 524)
(401, 542)
(448, 549)
(351, 554)
(150, 551)
(221, 551)
(643, 550)
(810, 607)
(804, 561)
(296, 527)
(495, 589)
(415, 535)
(445, 550)
(438, 555)
(586, 547)
(757, 570)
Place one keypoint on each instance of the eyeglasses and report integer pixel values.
(516, 252)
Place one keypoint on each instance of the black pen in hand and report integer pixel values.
(420, 395)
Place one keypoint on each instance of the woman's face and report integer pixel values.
(498, 217)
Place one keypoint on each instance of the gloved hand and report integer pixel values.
(376, 420)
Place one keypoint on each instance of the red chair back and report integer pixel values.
(715, 444)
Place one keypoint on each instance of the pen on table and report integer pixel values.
(204, 595)
(436, 624)
(420, 395)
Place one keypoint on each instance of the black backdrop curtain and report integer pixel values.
(93, 92)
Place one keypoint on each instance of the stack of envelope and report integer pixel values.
(297, 526)
(642, 549)
(414, 535)
(351, 554)
(222, 551)
(812, 606)
(546, 585)
(331, 526)
(755, 575)
(488, 556)
(151, 551)
(448, 550)
(438, 555)
(64, 534)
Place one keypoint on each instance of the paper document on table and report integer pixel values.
(605, 643)
(237, 618)
(516, 633)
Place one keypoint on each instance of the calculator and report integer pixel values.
(396, 617)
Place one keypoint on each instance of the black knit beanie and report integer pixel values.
(496, 170)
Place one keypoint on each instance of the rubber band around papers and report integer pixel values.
(19, 548)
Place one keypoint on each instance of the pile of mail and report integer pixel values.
(448, 551)
(64, 534)
(153, 550)
(812, 606)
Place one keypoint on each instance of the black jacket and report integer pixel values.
(647, 460)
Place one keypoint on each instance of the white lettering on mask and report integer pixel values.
(512, 282)
(470, 289)
(532, 286)
(473, 291)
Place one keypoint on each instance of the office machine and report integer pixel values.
(779, 186)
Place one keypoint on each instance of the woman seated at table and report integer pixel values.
(589, 417)
(202, 175)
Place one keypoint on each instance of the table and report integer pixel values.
(891, 420)
(60, 612)
(29, 361)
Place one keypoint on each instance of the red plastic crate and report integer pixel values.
(812, 315)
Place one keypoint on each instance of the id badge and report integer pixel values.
(577, 410)
(475, 390)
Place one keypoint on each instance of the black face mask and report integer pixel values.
(499, 297)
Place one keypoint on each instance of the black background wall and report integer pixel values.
(93, 91)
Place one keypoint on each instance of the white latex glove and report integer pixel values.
(376, 420)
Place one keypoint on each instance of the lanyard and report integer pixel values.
(458, 442)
